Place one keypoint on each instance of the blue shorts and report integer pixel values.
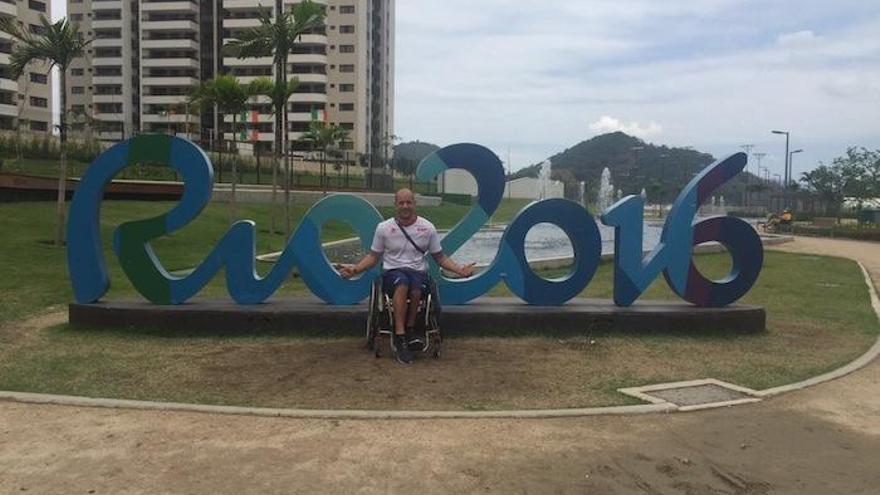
(413, 279)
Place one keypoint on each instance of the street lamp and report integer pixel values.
(791, 163)
(785, 185)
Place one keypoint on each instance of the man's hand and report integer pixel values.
(346, 271)
(466, 271)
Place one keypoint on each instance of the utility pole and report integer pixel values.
(759, 157)
(748, 149)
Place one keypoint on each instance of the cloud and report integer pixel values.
(607, 124)
(799, 38)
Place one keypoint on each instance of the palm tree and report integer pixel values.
(276, 38)
(57, 46)
(230, 97)
(323, 136)
(266, 87)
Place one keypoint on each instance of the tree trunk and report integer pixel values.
(232, 212)
(62, 172)
(257, 153)
(286, 140)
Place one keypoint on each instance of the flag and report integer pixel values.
(255, 119)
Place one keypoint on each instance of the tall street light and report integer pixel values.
(785, 185)
(791, 164)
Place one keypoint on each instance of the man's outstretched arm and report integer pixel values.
(446, 263)
(367, 262)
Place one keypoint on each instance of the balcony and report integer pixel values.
(182, 6)
(107, 5)
(299, 117)
(240, 23)
(258, 61)
(307, 58)
(8, 110)
(308, 98)
(5, 59)
(107, 24)
(170, 81)
(107, 61)
(314, 39)
(8, 85)
(170, 62)
(98, 98)
(173, 43)
(154, 118)
(262, 118)
(247, 4)
(107, 80)
(162, 99)
(8, 9)
(107, 42)
(109, 117)
(182, 25)
(310, 78)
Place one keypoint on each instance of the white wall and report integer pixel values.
(461, 182)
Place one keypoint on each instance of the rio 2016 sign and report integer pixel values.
(236, 250)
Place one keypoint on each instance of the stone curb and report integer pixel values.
(661, 406)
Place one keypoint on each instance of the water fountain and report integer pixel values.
(606, 191)
(544, 179)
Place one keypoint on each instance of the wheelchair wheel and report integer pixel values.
(374, 313)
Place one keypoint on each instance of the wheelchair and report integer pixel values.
(380, 320)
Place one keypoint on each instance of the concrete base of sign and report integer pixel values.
(487, 315)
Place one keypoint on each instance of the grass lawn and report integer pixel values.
(819, 317)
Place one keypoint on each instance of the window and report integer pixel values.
(76, 72)
(78, 109)
(346, 9)
(77, 90)
(346, 107)
(348, 126)
(36, 101)
(39, 78)
(346, 48)
(35, 29)
(38, 6)
(346, 29)
(37, 125)
(346, 88)
(76, 17)
(346, 68)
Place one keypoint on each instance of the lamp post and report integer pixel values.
(791, 164)
(785, 185)
(791, 169)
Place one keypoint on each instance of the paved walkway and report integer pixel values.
(822, 440)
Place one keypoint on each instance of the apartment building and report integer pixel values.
(147, 55)
(26, 102)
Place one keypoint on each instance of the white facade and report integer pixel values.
(147, 55)
(461, 182)
(25, 103)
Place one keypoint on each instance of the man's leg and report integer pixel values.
(415, 295)
(395, 284)
(398, 301)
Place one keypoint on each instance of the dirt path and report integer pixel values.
(822, 440)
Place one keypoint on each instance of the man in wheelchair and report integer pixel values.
(402, 243)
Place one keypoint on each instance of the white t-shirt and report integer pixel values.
(398, 252)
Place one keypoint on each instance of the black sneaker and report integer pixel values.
(401, 350)
(415, 339)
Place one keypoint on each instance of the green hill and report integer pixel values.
(635, 164)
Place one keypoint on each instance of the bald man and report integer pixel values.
(402, 243)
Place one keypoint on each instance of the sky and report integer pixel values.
(530, 79)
